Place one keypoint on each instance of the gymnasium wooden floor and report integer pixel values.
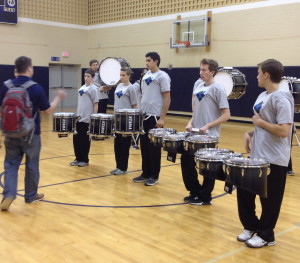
(91, 216)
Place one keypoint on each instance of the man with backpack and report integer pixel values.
(21, 99)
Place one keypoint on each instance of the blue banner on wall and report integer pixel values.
(9, 11)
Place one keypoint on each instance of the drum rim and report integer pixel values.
(64, 113)
(229, 162)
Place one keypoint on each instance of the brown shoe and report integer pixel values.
(38, 197)
(6, 202)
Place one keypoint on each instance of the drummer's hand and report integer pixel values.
(160, 123)
(256, 119)
(189, 127)
(203, 129)
(102, 88)
(247, 142)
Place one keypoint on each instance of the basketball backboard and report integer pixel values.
(189, 33)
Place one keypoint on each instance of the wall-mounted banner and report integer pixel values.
(9, 11)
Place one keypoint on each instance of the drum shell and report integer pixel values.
(211, 169)
(173, 146)
(252, 179)
(64, 123)
(156, 135)
(128, 122)
(192, 147)
(296, 95)
(101, 125)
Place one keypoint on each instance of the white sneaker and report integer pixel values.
(258, 242)
(246, 235)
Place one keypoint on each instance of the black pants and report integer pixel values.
(102, 106)
(264, 226)
(81, 142)
(122, 146)
(151, 155)
(190, 179)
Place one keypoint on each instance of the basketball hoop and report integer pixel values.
(186, 43)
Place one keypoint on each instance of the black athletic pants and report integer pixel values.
(81, 142)
(102, 106)
(190, 179)
(151, 155)
(122, 146)
(264, 226)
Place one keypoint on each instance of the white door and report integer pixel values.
(67, 77)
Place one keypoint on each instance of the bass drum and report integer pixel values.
(109, 70)
(233, 81)
(292, 85)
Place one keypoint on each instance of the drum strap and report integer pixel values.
(149, 116)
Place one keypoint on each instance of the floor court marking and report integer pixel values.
(228, 254)
(97, 177)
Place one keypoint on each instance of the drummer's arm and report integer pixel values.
(280, 130)
(166, 105)
(96, 107)
(225, 116)
(134, 106)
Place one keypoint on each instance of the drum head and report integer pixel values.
(284, 85)
(246, 162)
(225, 80)
(109, 71)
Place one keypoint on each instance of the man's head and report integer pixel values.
(89, 74)
(152, 60)
(270, 69)
(208, 69)
(23, 66)
(94, 65)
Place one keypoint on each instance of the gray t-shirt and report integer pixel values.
(125, 97)
(153, 85)
(208, 102)
(97, 81)
(276, 108)
(87, 96)
(138, 92)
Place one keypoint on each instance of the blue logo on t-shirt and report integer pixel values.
(148, 80)
(119, 94)
(258, 107)
(81, 92)
(200, 95)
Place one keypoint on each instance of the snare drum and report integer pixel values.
(249, 174)
(156, 135)
(128, 121)
(211, 163)
(101, 125)
(64, 123)
(195, 142)
(109, 70)
(233, 81)
(173, 143)
(292, 85)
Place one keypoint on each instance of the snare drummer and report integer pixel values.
(210, 109)
(87, 104)
(271, 137)
(125, 98)
(102, 90)
(155, 104)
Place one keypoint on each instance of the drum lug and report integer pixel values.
(243, 172)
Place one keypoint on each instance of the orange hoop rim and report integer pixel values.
(186, 43)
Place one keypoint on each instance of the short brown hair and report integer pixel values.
(212, 64)
(22, 64)
(274, 68)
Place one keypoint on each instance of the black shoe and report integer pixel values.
(187, 198)
(139, 179)
(195, 200)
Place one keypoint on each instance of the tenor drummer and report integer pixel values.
(87, 105)
(125, 98)
(155, 104)
(271, 137)
(210, 109)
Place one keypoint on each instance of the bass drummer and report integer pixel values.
(271, 141)
(210, 109)
(103, 90)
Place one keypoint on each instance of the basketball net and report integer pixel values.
(186, 43)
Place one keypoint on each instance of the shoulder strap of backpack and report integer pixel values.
(28, 84)
(8, 83)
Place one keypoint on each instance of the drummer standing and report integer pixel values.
(102, 91)
(87, 105)
(125, 98)
(273, 119)
(155, 104)
(210, 109)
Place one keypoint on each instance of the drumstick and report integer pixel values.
(297, 140)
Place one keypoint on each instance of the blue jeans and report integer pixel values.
(15, 149)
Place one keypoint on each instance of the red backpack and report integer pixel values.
(17, 120)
